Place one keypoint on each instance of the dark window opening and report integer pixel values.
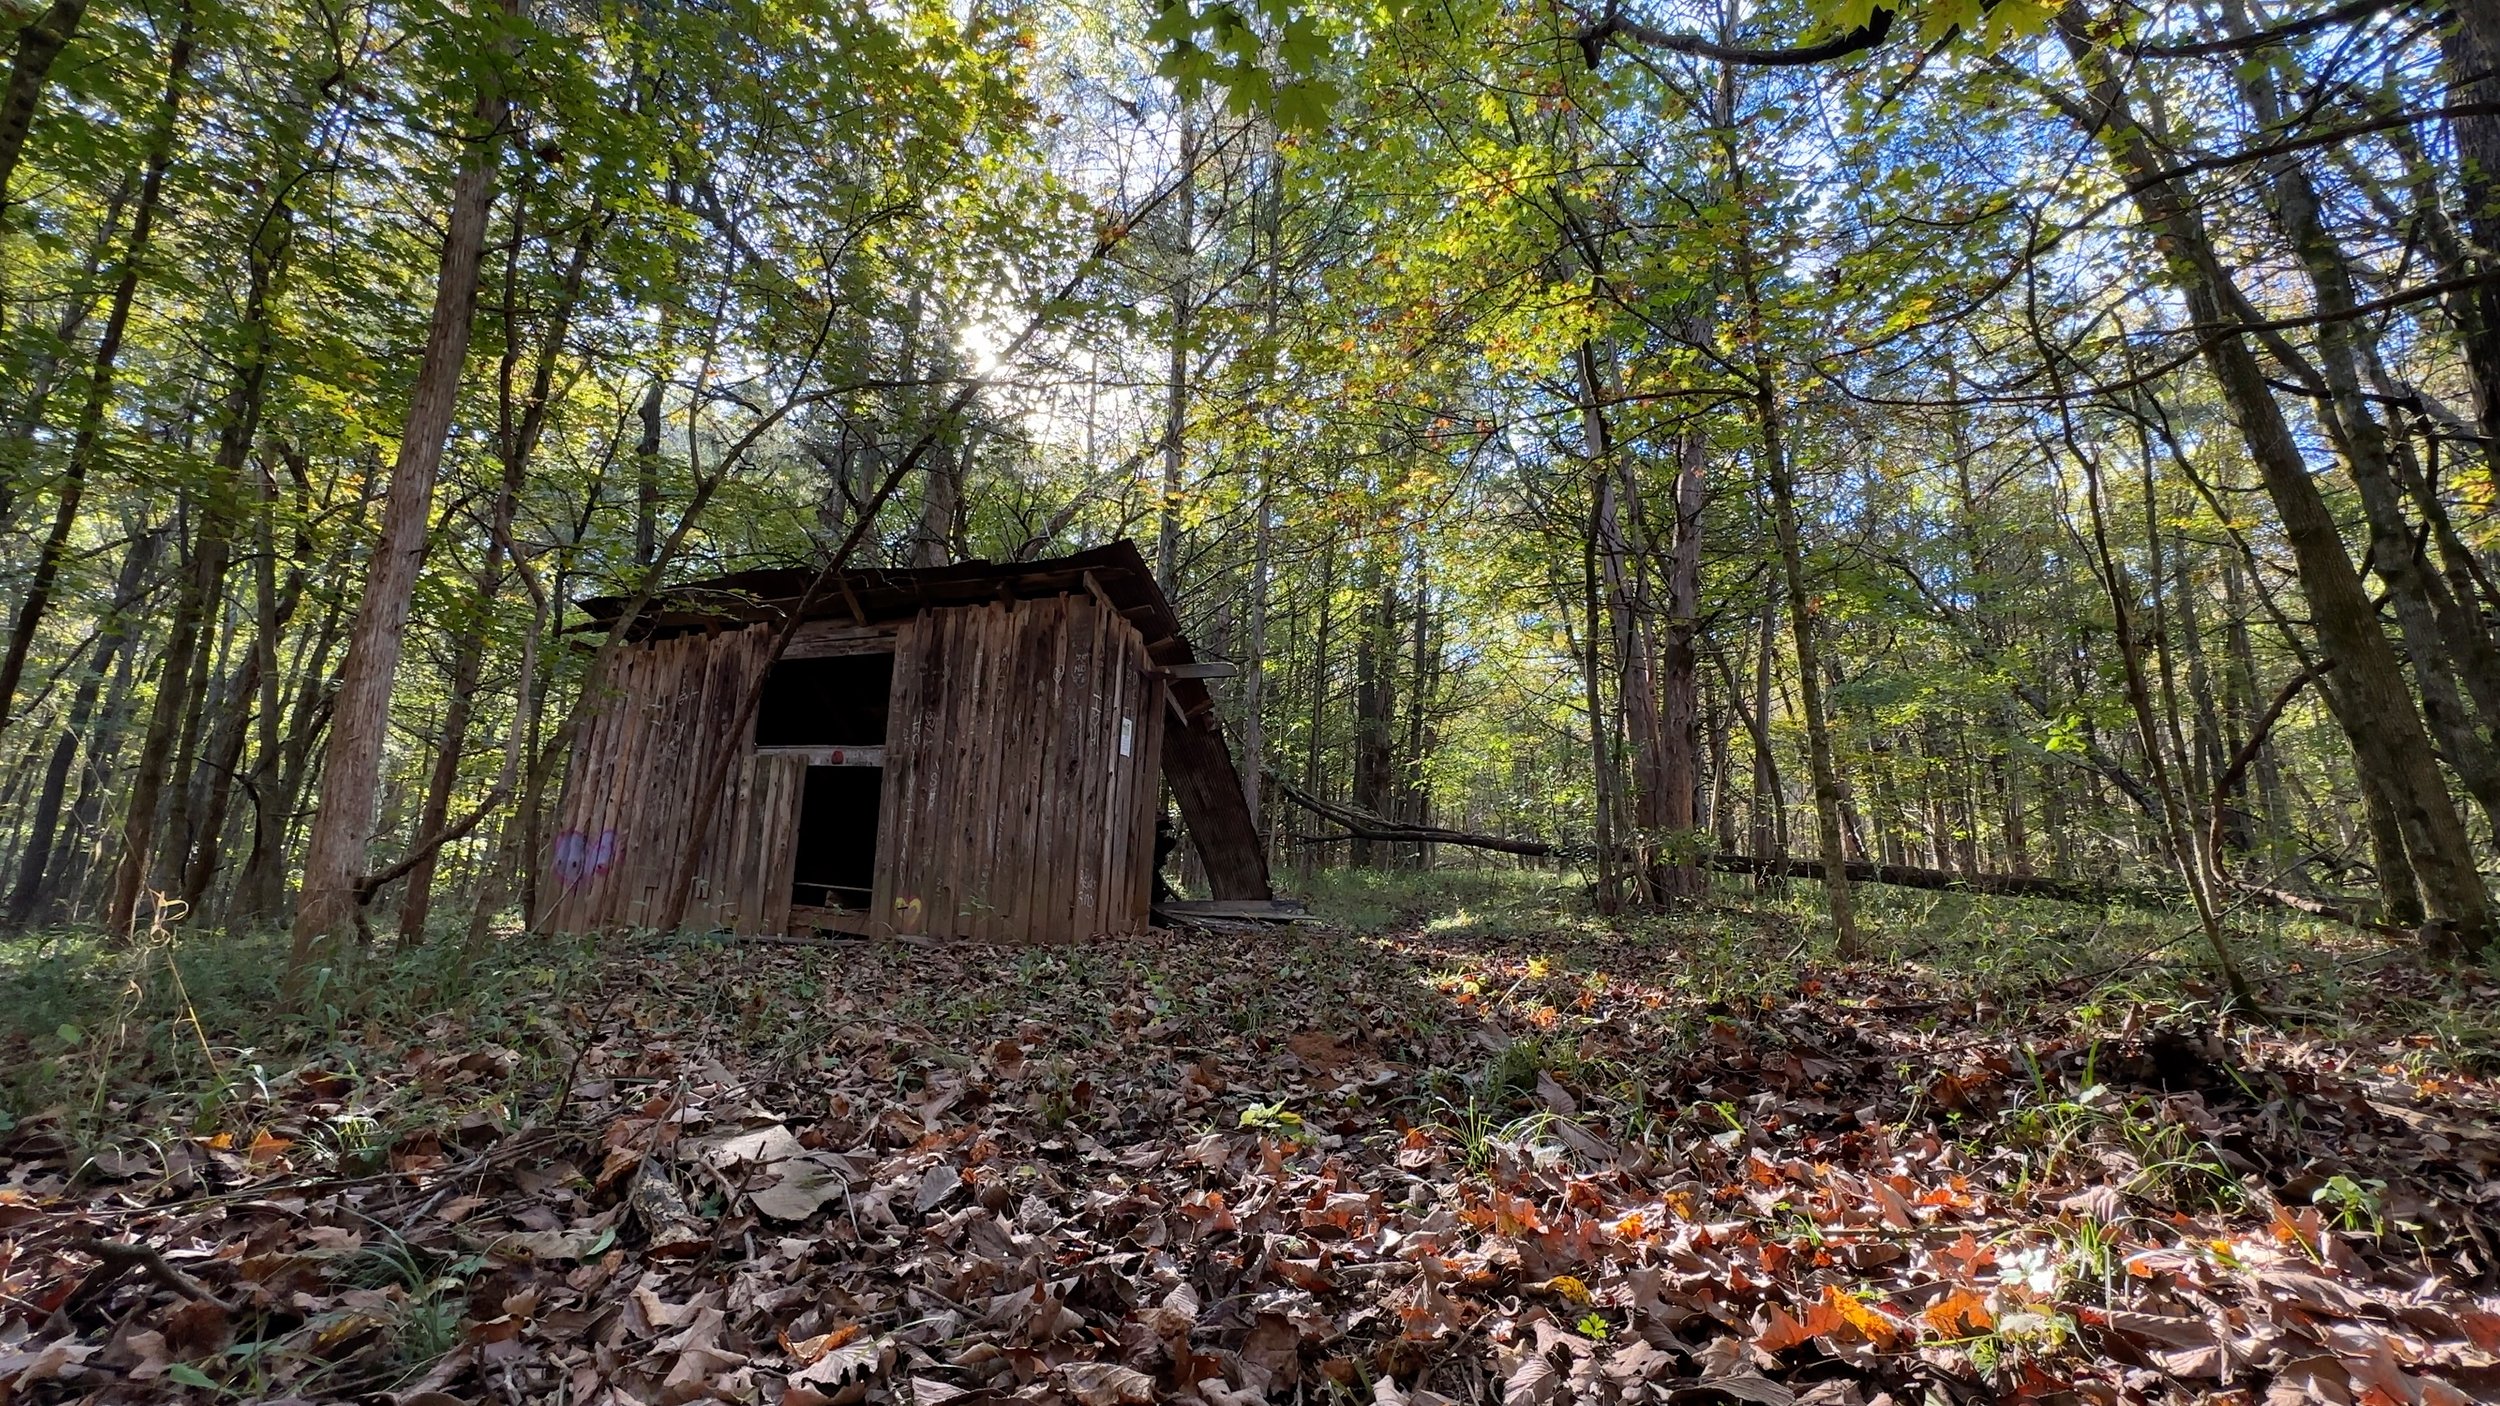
(837, 702)
(836, 860)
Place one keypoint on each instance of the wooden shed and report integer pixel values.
(960, 751)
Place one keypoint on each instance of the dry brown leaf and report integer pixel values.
(1108, 1384)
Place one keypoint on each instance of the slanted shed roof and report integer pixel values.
(1195, 759)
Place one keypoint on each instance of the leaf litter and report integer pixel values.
(1412, 1170)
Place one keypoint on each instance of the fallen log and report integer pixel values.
(1362, 825)
(1910, 876)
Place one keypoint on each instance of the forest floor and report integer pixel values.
(1465, 1143)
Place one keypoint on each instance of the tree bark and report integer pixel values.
(517, 441)
(1375, 693)
(2383, 724)
(166, 754)
(1679, 672)
(335, 856)
(1176, 398)
(225, 755)
(1613, 485)
(2445, 644)
(34, 864)
(2160, 746)
(87, 442)
(38, 45)
(2470, 44)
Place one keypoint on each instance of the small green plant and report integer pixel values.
(2092, 1251)
(2023, 1336)
(2355, 1205)
(1271, 1117)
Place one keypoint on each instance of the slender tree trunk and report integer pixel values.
(38, 45)
(647, 471)
(517, 441)
(1176, 400)
(82, 844)
(1801, 623)
(1375, 694)
(2444, 642)
(1679, 674)
(2470, 44)
(1625, 626)
(2273, 814)
(201, 699)
(335, 857)
(34, 865)
(166, 756)
(1313, 750)
(2160, 745)
(87, 442)
(2392, 743)
(225, 755)
(258, 890)
(1769, 807)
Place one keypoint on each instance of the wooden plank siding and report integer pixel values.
(1009, 810)
(1010, 813)
(621, 825)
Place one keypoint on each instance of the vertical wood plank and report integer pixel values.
(894, 788)
(1121, 794)
(1041, 853)
(979, 811)
(941, 888)
(1149, 801)
(1057, 836)
(1086, 912)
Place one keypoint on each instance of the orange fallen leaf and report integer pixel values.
(806, 1351)
(1785, 1331)
(1872, 1323)
(267, 1149)
(1959, 1315)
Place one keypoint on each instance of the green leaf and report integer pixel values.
(1271, 1115)
(1305, 104)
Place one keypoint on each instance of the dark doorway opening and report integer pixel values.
(837, 702)
(836, 860)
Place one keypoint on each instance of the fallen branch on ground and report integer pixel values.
(1362, 825)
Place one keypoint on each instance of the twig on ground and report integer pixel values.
(117, 1257)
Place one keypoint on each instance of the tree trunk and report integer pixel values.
(1679, 673)
(173, 726)
(2160, 746)
(1313, 748)
(1414, 796)
(1375, 693)
(87, 442)
(225, 754)
(34, 865)
(38, 45)
(647, 471)
(2470, 44)
(1768, 809)
(1176, 399)
(2392, 743)
(1801, 623)
(2444, 642)
(517, 443)
(335, 858)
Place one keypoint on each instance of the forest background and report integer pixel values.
(2006, 441)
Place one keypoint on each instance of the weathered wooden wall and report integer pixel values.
(622, 823)
(1012, 811)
